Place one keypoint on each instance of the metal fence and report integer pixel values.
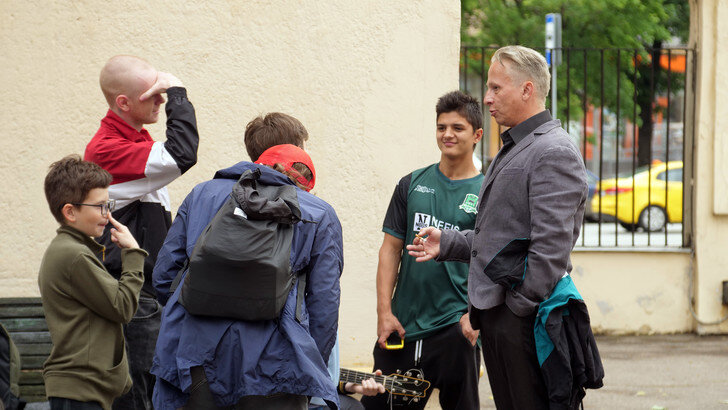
(631, 113)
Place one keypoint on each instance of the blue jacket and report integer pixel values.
(244, 358)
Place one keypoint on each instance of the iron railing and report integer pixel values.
(631, 113)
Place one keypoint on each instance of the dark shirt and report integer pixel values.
(522, 130)
(514, 135)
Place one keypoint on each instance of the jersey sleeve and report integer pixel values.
(395, 220)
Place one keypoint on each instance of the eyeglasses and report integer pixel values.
(105, 207)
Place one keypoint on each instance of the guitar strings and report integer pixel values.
(388, 382)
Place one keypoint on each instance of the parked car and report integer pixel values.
(591, 179)
(649, 199)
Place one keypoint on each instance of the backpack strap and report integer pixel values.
(300, 295)
(178, 278)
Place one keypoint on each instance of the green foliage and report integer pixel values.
(586, 23)
(587, 26)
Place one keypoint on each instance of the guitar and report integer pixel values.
(408, 384)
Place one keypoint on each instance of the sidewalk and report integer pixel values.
(653, 372)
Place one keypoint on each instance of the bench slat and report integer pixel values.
(31, 337)
(35, 349)
(21, 311)
(33, 390)
(25, 320)
(20, 301)
(31, 377)
(25, 324)
(33, 362)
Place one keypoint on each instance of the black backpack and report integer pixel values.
(240, 266)
(9, 372)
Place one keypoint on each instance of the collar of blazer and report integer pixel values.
(513, 152)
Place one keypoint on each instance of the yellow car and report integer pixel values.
(649, 199)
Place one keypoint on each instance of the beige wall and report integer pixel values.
(711, 162)
(363, 76)
(634, 292)
(649, 292)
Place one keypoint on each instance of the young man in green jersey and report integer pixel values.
(428, 308)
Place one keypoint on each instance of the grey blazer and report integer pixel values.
(537, 193)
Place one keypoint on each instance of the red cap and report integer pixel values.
(287, 155)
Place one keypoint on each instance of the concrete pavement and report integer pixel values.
(653, 372)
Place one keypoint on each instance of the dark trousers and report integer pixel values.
(345, 403)
(141, 339)
(509, 351)
(59, 403)
(201, 398)
(349, 403)
(448, 361)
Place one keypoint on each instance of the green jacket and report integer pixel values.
(85, 308)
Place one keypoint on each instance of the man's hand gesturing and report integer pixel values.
(164, 81)
(426, 244)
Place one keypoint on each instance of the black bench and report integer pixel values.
(25, 321)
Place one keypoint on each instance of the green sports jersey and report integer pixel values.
(430, 295)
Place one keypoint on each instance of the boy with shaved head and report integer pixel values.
(141, 168)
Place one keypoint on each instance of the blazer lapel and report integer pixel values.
(493, 172)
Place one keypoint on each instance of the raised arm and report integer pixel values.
(144, 166)
(182, 136)
(95, 288)
(116, 300)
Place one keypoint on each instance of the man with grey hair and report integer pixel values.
(529, 216)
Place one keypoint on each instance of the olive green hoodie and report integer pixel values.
(85, 308)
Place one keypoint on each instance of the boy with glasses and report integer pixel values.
(85, 306)
(105, 208)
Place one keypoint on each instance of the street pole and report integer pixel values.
(553, 91)
(553, 53)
